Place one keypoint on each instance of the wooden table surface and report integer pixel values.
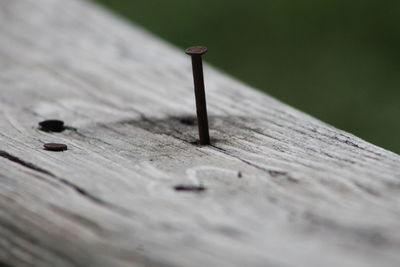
(282, 188)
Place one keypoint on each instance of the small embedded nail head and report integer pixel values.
(55, 147)
(52, 126)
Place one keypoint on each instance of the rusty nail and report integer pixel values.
(52, 126)
(55, 147)
(196, 52)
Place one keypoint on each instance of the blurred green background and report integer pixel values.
(337, 60)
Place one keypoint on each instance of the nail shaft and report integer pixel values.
(200, 96)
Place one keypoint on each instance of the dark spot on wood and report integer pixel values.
(187, 121)
(186, 187)
(239, 174)
(196, 143)
(181, 127)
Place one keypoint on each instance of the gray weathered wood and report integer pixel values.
(308, 195)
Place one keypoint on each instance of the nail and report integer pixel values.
(52, 126)
(196, 52)
(55, 147)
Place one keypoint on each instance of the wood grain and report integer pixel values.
(282, 188)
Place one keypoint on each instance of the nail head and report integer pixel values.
(52, 126)
(55, 147)
(196, 50)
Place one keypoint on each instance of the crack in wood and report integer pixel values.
(83, 192)
(24, 163)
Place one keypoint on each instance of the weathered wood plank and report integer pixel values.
(307, 194)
